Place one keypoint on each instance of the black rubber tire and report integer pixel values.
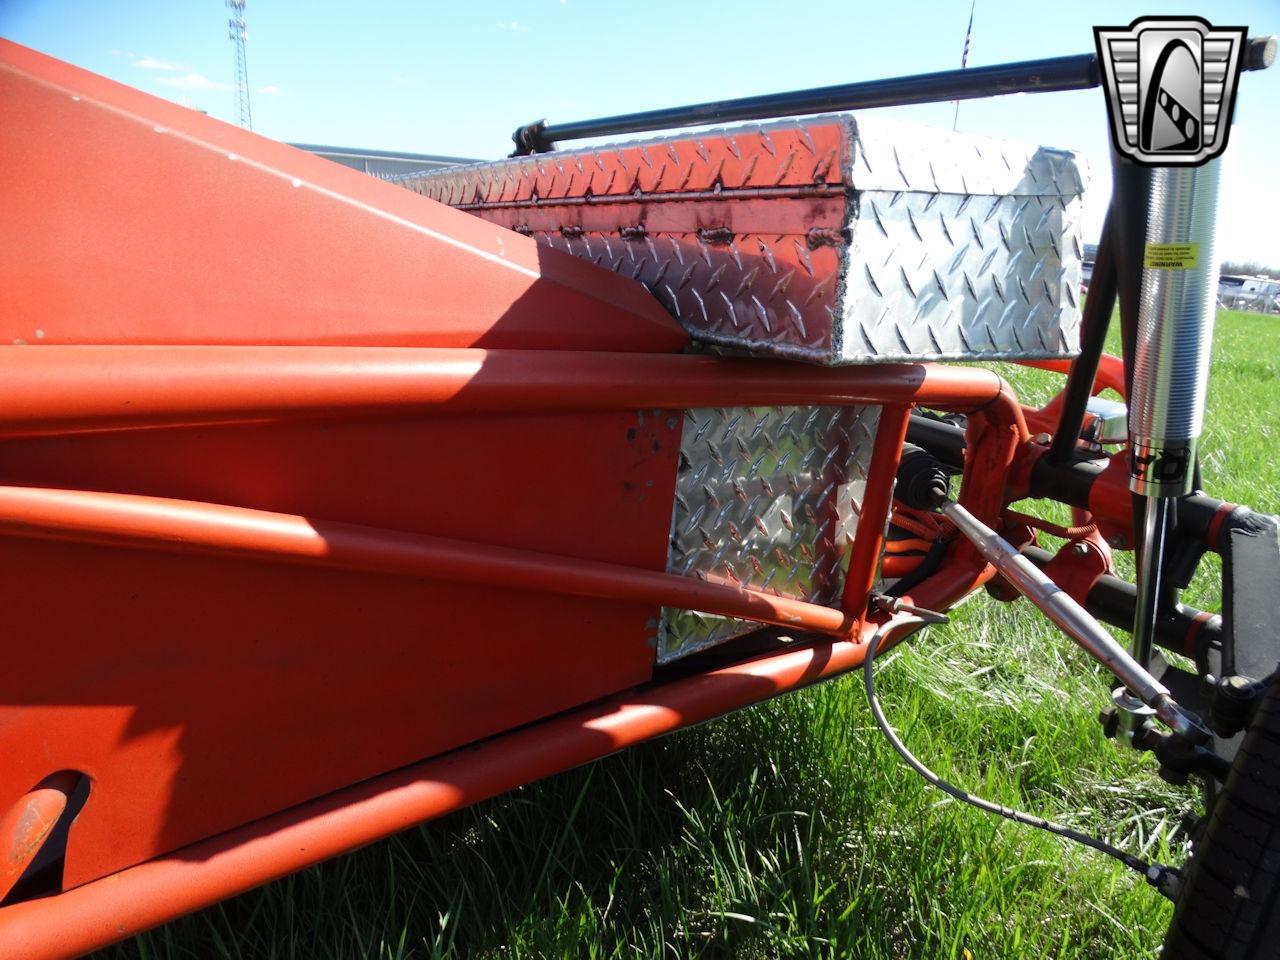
(1229, 907)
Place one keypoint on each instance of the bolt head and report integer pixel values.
(1080, 549)
(1041, 438)
(1116, 540)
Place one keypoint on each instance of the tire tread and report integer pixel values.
(1230, 903)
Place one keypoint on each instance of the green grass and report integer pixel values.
(792, 830)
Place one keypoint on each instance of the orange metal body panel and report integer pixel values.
(200, 693)
(152, 893)
(135, 220)
(299, 667)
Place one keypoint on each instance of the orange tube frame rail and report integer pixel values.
(179, 526)
(78, 389)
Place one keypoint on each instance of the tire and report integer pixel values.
(1229, 907)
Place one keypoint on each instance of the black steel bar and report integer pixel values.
(1113, 601)
(1070, 483)
(1194, 515)
(944, 440)
(1098, 305)
(1078, 72)
(1130, 192)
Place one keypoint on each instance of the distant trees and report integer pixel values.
(1252, 269)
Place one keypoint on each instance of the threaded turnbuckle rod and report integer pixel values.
(1075, 621)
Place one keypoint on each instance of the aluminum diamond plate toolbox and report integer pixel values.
(839, 239)
(767, 497)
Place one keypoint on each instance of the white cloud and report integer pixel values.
(151, 63)
(270, 90)
(514, 26)
(194, 81)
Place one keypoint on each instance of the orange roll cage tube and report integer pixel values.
(55, 390)
(176, 526)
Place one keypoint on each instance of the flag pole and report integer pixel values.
(964, 60)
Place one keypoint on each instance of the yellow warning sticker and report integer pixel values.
(1171, 256)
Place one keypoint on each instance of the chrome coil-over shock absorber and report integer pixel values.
(1171, 370)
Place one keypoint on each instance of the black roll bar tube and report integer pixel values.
(1076, 72)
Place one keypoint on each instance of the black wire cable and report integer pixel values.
(1155, 873)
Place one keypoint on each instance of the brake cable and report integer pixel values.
(1164, 878)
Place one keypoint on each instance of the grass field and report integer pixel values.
(792, 830)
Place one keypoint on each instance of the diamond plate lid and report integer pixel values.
(835, 239)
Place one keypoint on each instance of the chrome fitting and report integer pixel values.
(1132, 717)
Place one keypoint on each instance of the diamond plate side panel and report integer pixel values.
(963, 247)
(962, 276)
(769, 294)
(768, 498)
(893, 156)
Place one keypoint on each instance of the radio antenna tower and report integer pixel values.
(239, 33)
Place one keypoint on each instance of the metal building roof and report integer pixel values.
(381, 163)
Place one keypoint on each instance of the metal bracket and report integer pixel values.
(531, 138)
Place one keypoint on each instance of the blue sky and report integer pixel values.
(456, 78)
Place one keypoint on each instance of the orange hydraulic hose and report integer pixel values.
(923, 530)
(893, 567)
(70, 389)
(126, 903)
(1051, 528)
(181, 526)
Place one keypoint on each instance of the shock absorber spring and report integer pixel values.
(1175, 329)
(1171, 372)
